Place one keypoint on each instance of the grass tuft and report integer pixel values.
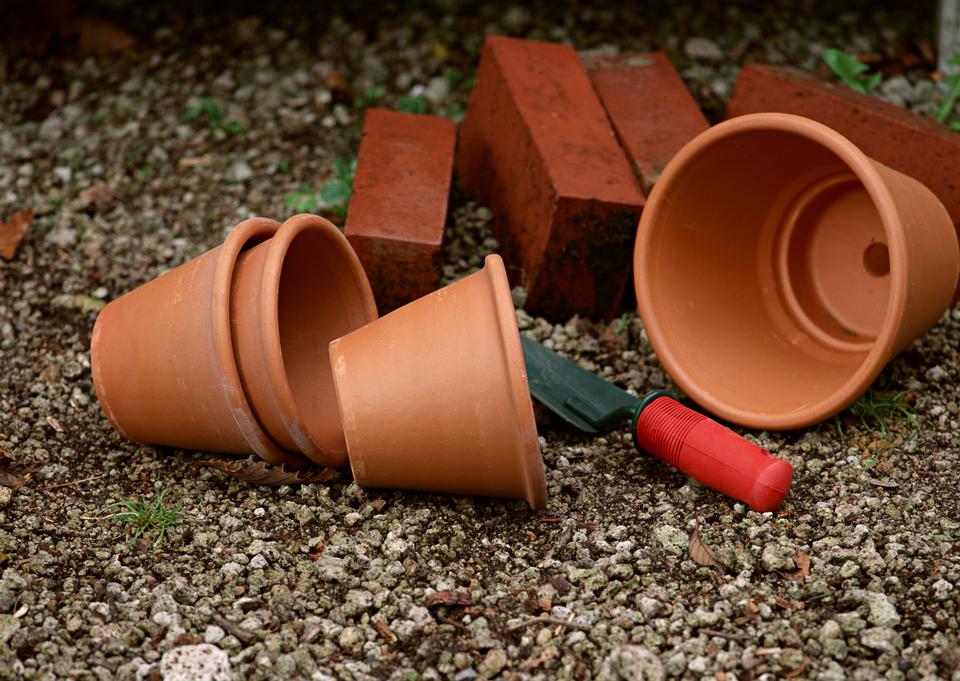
(146, 518)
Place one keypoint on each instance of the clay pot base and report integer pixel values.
(778, 269)
(293, 295)
(833, 264)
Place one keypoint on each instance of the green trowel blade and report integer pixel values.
(579, 397)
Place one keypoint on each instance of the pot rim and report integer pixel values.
(232, 388)
(862, 166)
(534, 483)
(270, 327)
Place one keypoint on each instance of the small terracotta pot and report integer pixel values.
(778, 269)
(292, 295)
(163, 362)
(434, 396)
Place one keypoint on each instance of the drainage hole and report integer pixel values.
(877, 259)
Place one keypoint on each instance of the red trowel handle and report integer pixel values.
(711, 453)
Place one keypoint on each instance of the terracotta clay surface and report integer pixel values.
(778, 269)
(650, 107)
(537, 147)
(163, 363)
(291, 296)
(434, 396)
(913, 144)
(398, 208)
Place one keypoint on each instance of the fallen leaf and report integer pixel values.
(55, 424)
(14, 474)
(263, 473)
(701, 553)
(100, 198)
(447, 598)
(377, 504)
(384, 630)
(787, 604)
(886, 484)
(11, 233)
(802, 561)
(98, 37)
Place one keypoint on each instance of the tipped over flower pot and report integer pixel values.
(175, 361)
(778, 269)
(434, 397)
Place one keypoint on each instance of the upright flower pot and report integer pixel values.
(163, 361)
(292, 295)
(778, 269)
(434, 396)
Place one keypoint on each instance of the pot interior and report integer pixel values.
(768, 271)
(320, 299)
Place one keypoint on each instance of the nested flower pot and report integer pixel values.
(778, 269)
(227, 352)
(434, 396)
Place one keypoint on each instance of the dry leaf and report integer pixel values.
(11, 233)
(703, 554)
(802, 561)
(263, 473)
(98, 36)
(447, 598)
(788, 604)
(55, 424)
(377, 504)
(100, 197)
(384, 630)
(14, 474)
(886, 484)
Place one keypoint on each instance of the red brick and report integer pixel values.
(536, 146)
(651, 109)
(911, 143)
(398, 208)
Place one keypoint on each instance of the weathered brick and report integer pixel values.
(398, 208)
(536, 146)
(651, 109)
(911, 143)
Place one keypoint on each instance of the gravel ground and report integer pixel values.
(129, 174)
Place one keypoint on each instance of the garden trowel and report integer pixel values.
(682, 437)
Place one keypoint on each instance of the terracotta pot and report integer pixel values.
(292, 295)
(163, 361)
(434, 395)
(778, 269)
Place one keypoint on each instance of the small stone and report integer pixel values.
(238, 171)
(830, 630)
(438, 89)
(357, 601)
(631, 663)
(8, 624)
(882, 611)
(213, 634)
(883, 639)
(936, 373)
(835, 648)
(494, 661)
(777, 557)
(231, 568)
(258, 562)
(672, 539)
(6, 494)
(850, 622)
(202, 662)
(703, 48)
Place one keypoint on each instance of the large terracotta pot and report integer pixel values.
(434, 396)
(163, 362)
(292, 295)
(778, 269)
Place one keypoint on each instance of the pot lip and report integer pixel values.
(98, 385)
(232, 388)
(865, 170)
(270, 327)
(534, 480)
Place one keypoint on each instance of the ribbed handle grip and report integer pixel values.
(713, 454)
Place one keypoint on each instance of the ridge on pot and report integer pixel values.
(434, 397)
(163, 363)
(778, 269)
(291, 296)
